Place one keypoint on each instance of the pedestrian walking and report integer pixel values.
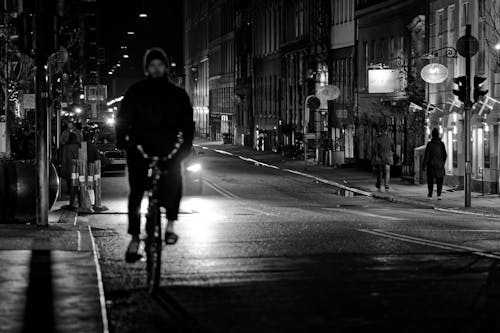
(69, 155)
(382, 158)
(152, 114)
(260, 144)
(71, 129)
(433, 163)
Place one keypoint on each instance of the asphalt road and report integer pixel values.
(266, 251)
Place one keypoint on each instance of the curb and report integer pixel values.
(102, 300)
(376, 195)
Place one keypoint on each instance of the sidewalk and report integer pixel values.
(363, 182)
(49, 278)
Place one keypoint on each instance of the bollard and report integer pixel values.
(85, 206)
(98, 187)
(73, 191)
(90, 182)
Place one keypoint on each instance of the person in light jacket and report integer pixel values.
(382, 158)
(433, 163)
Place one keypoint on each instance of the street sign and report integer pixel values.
(29, 101)
(467, 46)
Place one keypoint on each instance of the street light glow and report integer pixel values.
(143, 15)
(497, 46)
(130, 33)
(78, 110)
(125, 56)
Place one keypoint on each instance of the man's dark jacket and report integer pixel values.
(152, 113)
(435, 158)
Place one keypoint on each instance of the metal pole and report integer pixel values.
(467, 125)
(7, 65)
(304, 140)
(42, 117)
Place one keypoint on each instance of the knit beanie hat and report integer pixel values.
(152, 54)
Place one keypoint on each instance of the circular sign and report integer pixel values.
(313, 103)
(329, 92)
(467, 46)
(434, 73)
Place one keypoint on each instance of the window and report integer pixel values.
(451, 25)
(481, 9)
(465, 13)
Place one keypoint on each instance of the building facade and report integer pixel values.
(390, 41)
(244, 119)
(448, 20)
(342, 75)
(196, 65)
(221, 56)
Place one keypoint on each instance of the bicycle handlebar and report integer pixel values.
(169, 156)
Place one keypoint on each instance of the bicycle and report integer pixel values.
(154, 241)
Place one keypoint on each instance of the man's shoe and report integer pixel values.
(387, 187)
(132, 255)
(439, 198)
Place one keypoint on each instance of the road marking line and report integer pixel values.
(224, 152)
(79, 240)
(232, 195)
(427, 242)
(221, 190)
(354, 212)
(102, 299)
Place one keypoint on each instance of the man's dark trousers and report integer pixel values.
(170, 189)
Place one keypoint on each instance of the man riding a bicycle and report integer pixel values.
(154, 114)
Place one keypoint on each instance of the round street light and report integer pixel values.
(434, 73)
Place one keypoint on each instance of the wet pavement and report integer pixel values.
(268, 251)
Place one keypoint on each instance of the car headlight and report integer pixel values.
(194, 167)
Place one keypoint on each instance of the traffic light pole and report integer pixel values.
(467, 125)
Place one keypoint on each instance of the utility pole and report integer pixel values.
(42, 115)
(6, 73)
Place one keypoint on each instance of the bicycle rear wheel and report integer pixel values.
(154, 248)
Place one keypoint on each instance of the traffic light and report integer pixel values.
(461, 92)
(478, 89)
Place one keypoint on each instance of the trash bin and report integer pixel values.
(419, 174)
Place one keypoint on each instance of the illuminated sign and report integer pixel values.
(434, 73)
(383, 81)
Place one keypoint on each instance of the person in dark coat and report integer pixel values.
(152, 114)
(382, 158)
(69, 152)
(433, 163)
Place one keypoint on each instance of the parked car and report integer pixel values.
(112, 158)
(192, 173)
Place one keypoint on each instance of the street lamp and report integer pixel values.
(130, 33)
(497, 46)
(125, 56)
(143, 15)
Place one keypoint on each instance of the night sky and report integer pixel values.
(163, 27)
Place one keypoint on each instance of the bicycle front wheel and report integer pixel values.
(154, 248)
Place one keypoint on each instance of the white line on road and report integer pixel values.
(427, 242)
(364, 214)
(219, 189)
